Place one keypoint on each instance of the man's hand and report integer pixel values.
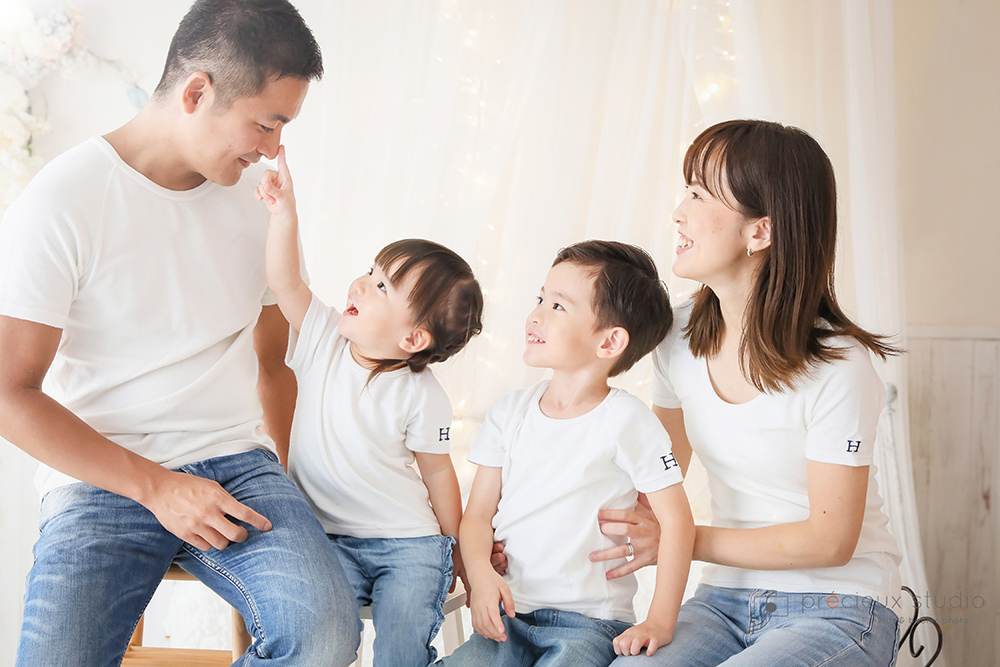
(643, 531)
(488, 590)
(199, 511)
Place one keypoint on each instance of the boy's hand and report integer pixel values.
(649, 633)
(458, 572)
(488, 590)
(275, 188)
(499, 559)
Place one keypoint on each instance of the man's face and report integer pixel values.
(230, 140)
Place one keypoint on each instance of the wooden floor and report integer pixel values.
(954, 405)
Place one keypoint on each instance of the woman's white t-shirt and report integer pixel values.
(353, 440)
(756, 454)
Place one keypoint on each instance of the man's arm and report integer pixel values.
(276, 384)
(191, 508)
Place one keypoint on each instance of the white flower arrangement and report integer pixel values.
(30, 49)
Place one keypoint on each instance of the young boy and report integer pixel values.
(553, 455)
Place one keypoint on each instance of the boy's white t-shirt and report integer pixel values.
(557, 474)
(353, 440)
(157, 293)
(756, 454)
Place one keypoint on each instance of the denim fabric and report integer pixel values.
(100, 557)
(742, 627)
(405, 580)
(543, 638)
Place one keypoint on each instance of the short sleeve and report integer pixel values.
(663, 393)
(315, 337)
(429, 428)
(844, 411)
(643, 449)
(42, 255)
(490, 448)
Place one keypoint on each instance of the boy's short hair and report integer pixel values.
(241, 45)
(628, 293)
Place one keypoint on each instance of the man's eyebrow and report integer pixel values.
(281, 119)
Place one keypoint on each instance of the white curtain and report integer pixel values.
(507, 130)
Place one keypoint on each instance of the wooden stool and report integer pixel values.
(138, 655)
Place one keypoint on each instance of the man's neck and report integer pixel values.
(574, 393)
(147, 143)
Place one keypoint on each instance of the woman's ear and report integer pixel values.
(417, 340)
(760, 234)
(614, 343)
(196, 91)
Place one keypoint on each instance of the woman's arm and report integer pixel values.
(438, 474)
(282, 256)
(827, 538)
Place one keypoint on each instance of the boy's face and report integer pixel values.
(227, 141)
(561, 331)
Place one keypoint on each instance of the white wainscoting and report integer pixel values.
(954, 388)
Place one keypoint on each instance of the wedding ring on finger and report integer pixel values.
(631, 551)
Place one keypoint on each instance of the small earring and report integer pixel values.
(749, 252)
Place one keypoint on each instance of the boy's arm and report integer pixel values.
(476, 533)
(438, 474)
(670, 505)
(282, 256)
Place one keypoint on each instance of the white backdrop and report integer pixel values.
(507, 130)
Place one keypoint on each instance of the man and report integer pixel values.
(132, 282)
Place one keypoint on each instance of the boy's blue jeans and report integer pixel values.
(739, 627)
(543, 638)
(100, 556)
(405, 580)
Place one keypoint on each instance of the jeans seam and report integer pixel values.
(871, 622)
(254, 613)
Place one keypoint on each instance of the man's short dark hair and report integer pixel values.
(628, 293)
(241, 45)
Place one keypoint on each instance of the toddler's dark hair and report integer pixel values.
(445, 299)
(628, 293)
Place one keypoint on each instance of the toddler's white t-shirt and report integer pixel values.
(353, 440)
(557, 474)
(157, 293)
(756, 453)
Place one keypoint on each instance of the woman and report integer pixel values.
(771, 385)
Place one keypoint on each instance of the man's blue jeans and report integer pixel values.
(543, 638)
(738, 627)
(406, 581)
(100, 556)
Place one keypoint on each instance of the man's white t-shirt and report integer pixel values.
(353, 440)
(756, 454)
(157, 293)
(557, 474)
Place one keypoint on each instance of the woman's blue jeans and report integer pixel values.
(406, 581)
(100, 557)
(738, 627)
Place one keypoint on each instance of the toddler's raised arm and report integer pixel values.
(282, 256)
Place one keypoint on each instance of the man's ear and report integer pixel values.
(760, 237)
(417, 340)
(614, 343)
(196, 92)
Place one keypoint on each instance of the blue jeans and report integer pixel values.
(100, 556)
(742, 627)
(405, 580)
(543, 638)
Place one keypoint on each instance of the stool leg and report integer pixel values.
(453, 631)
(241, 638)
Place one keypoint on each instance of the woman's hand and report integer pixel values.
(642, 530)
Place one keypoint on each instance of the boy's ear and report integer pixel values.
(417, 340)
(614, 343)
(196, 91)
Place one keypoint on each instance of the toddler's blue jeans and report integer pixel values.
(100, 556)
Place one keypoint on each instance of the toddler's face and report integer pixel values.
(561, 332)
(377, 315)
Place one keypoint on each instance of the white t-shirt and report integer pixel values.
(157, 293)
(353, 440)
(755, 454)
(557, 474)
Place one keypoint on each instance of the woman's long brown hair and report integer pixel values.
(780, 172)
